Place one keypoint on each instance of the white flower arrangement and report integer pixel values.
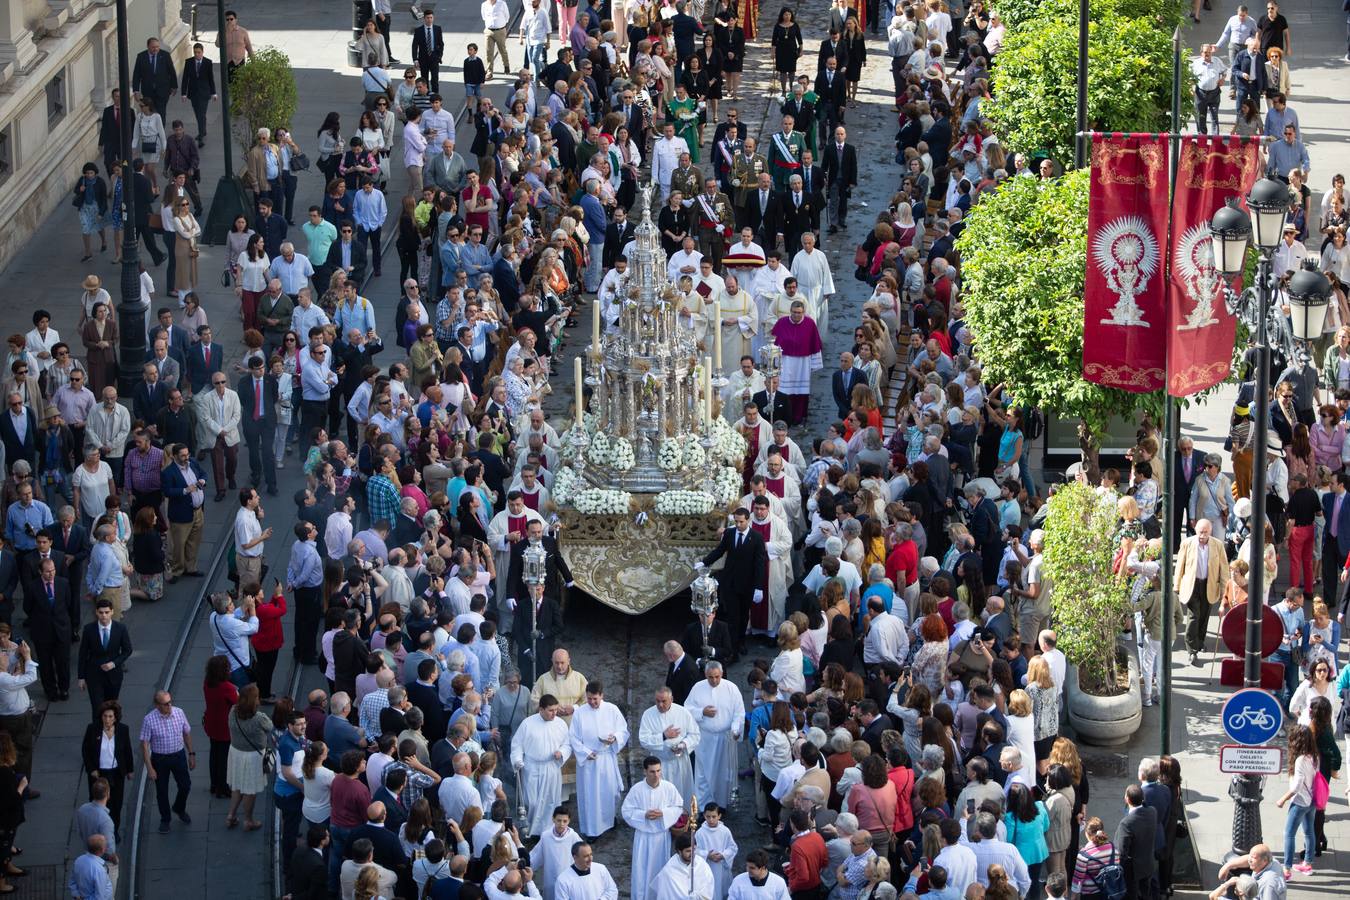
(621, 456)
(729, 445)
(669, 455)
(564, 483)
(602, 502)
(694, 457)
(727, 485)
(599, 451)
(684, 503)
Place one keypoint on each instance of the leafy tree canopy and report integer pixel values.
(262, 94)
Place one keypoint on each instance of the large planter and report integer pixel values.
(1105, 721)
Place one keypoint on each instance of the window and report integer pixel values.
(56, 99)
(6, 152)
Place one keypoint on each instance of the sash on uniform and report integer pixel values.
(786, 159)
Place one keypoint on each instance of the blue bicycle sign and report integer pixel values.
(1252, 717)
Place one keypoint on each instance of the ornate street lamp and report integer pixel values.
(1308, 293)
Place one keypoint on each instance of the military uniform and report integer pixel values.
(785, 157)
(688, 181)
(715, 220)
(745, 171)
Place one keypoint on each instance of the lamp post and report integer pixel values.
(1231, 230)
(130, 314)
(229, 201)
(703, 601)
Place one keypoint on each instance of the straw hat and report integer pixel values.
(51, 410)
(92, 282)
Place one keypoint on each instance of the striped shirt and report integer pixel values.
(1091, 860)
(142, 470)
(383, 499)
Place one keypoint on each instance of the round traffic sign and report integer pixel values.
(1252, 716)
(1233, 630)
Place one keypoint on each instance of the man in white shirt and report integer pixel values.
(337, 531)
(1209, 78)
(459, 793)
(496, 16)
(988, 849)
(1289, 253)
(230, 630)
(684, 261)
(534, 36)
(956, 859)
(886, 639)
(666, 153)
(249, 536)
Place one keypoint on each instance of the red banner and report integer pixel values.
(1125, 308)
(1200, 340)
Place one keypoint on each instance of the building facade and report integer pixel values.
(58, 67)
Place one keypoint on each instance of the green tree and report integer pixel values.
(1090, 602)
(262, 94)
(1035, 85)
(1023, 255)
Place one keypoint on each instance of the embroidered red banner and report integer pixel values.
(1125, 291)
(1200, 340)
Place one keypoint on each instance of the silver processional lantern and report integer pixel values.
(703, 601)
(535, 559)
(771, 360)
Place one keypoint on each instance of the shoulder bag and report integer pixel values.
(1110, 879)
(269, 753)
(243, 664)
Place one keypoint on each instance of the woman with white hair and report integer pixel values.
(845, 826)
(787, 666)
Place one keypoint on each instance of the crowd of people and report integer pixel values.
(904, 738)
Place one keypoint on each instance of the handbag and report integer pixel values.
(269, 755)
(1343, 715)
(149, 148)
(1321, 791)
(890, 835)
(299, 162)
(860, 256)
(225, 278)
(1110, 879)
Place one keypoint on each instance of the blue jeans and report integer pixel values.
(289, 806)
(1300, 818)
(537, 54)
(337, 851)
(1290, 675)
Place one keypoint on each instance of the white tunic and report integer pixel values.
(680, 260)
(779, 547)
(597, 884)
(767, 287)
(501, 547)
(774, 888)
(717, 840)
(533, 747)
(551, 857)
(598, 784)
(672, 751)
(736, 338)
(738, 392)
(674, 881)
(715, 766)
(651, 837)
(815, 280)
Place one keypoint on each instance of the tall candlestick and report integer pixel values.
(717, 331)
(595, 327)
(707, 391)
(581, 403)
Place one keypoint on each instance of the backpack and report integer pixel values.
(1110, 879)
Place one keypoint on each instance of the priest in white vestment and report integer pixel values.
(651, 808)
(740, 323)
(745, 259)
(780, 305)
(782, 442)
(717, 845)
(814, 279)
(693, 312)
(611, 293)
(683, 262)
(757, 882)
(685, 876)
(742, 384)
(717, 707)
(599, 731)
(541, 747)
(766, 617)
(784, 482)
(767, 286)
(669, 733)
(708, 284)
(553, 854)
(799, 339)
(505, 529)
(585, 879)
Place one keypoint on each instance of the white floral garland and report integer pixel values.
(728, 485)
(602, 502)
(669, 456)
(684, 503)
(599, 451)
(621, 456)
(694, 457)
(564, 483)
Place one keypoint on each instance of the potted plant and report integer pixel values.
(1091, 607)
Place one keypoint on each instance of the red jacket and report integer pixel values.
(216, 718)
(269, 635)
(808, 858)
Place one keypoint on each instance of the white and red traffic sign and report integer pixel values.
(1241, 759)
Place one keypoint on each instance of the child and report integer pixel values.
(716, 844)
(475, 73)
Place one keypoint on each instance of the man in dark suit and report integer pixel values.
(346, 253)
(793, 216)
(1188, 468)
(1157, 797)
(309, 870)
(538, 623)
(388, 851)
(110, 132)
(495, 472)
(719, 641)
(566, 144)
(105, 647)
(53, 618)
(831, 88)
(423, 695)
(395, 811)
(832, 46)
(684, 28)
(1336, 535)
(773, 403)
(153, 78)
(31, 563)
(743, 577)
(428, 47)
(760, 212)
(839, 160)
(71, 539)
(874, 723)
(939, 140)
(18, 417)
(199, 87)
(151, 394)
(843, 382)
(258, 421)
(557, 574)
(177, 338)
(145, 196)
(1135, 840)
(349, 651)
(204, 359)
(617, 236)
(682, 671)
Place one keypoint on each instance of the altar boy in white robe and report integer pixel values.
(717, 707)
(685, 876)
(553, 854)
(767, 287)
(740, 323)
(670, 734)
(757, 882)
(651, 808)
(541, 747)
(585, 879)
(599, 731)
(814, 279)
(716, 844)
